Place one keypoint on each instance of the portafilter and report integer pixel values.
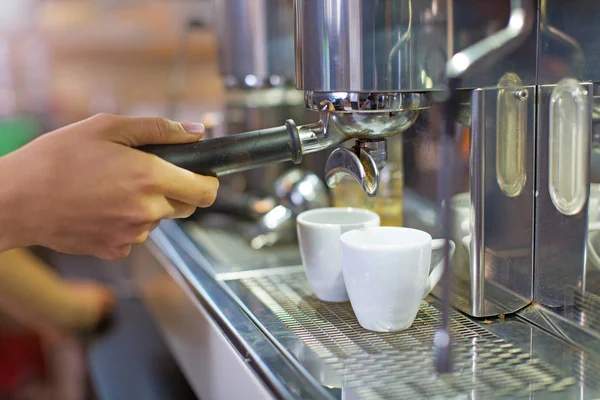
(367, 118)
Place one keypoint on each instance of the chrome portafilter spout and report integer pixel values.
(363, 162)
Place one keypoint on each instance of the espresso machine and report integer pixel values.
(365, 100)
(511, 81)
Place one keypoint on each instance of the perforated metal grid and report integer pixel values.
(586, 308)
(399, 365)
(230, 252)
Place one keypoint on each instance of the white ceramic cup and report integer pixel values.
(593, 245)
(388, 272)
(461, 213)
(593, 239)
(460, 205)
(594, 203)
(319, 233)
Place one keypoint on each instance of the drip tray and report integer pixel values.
(507, 358)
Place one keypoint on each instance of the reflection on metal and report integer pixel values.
(295, 191)
(350, 102)
(208, 323)
(586, 308)
(204, 354)
(276, 225)
(229, 251)
(511, 131)
(364, 163)
(567, 329)
(596, 122)
(385, 48)
(402, 41)
(397, 365)
(560, 238)
(255, 42)
(584, 363)
(362, 168)
(554, 34)
(494, 268)
(569, 146)
(491, 48)
(494, 46)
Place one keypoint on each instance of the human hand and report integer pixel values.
(83, 189)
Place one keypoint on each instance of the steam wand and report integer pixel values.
(442, 339)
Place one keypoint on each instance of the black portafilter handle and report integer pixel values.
(235, 153)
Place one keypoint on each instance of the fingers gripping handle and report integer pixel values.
(235, 153)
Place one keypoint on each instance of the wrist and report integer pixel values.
(11, 225)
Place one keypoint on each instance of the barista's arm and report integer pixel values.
(82, 189)
(33, 294)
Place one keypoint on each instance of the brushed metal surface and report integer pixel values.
(504, 357)
(208, 360)
(369, 365)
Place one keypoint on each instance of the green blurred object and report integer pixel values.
(16, 132)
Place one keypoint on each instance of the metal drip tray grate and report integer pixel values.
(399, 365)
(586, 308)
(230, 252)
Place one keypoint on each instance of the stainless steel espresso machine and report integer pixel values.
(497, 99)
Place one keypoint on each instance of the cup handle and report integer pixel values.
(437, 259)
(594, 226)
(466, 245)
(465, 227)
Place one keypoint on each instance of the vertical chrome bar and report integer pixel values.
(442, 338)
(354, 45)
(477, 172)
(298, 43)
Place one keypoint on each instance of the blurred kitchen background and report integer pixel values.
(62, 60)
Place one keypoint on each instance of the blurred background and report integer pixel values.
(62, 61)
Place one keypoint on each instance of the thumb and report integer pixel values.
(138, 131)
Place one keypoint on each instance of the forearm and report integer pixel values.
(33, 293)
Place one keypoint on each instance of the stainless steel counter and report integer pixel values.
(244, 324)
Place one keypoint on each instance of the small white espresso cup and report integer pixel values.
(387, 273)
(319, 233)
